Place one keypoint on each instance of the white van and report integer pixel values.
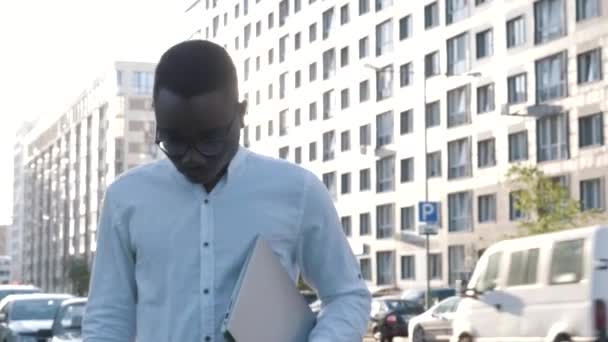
(551, 287)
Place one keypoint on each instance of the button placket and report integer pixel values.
(207, 272)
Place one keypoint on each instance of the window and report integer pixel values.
(591, 130)
(382, 4)
(407, 170)
(385, 221)
(405, 27)
(363, 7)
(456, 263)
(484, 44)
(385, 265)
(431, 64)
(329, 63)
(297, 117)
(282, 85)
(405, 74)
(329, 142)
(364, 91)
(344, 15)
(344, 98)
(456, 10)
(431, 15)
(485, 99)
(270, 20)
(344, 56)
(551, 78)
(517, 88)
(270, 91)
(270, 128)
(363, 47)
(487, 208)
(298, 155)
(283, 12)
(366, 268)
(345, 141)
(246, 36)
(552, 137)
(567, 262)
(283, 48)
(433, 164)
(246, 69)
(329, 179)
(246, 141)
(384, 38)
(408, 218)
(516, 32)
(592, 191)
(458, 60)
(515, 212)
(297, 41)
(489, 277)
(143, 82)
(435, 263)
(433, 115)
(384, 83)
(459, 158)
(298, 79)
(550, 20)
(385, 174)
(523, 268)
(460, 211)
(345, 183)
(365, 135)
(486, 152)
(312, 151)
(297, 6)
(408, 267)
(364, 180)
(329, 104)
(284, 152)
(258, 28)
(328, 22)
(346, 225)
(406, 122)
(518, 146)
(459, 106)
(312, 111)
(312, 72)
(283, 123)
(258, 62)
(587, 9)
(384, 129)
(589, 66)
(258, 133)
(365, 223)
(312, 32)
(270, 56)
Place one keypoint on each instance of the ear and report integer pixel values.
(242, 112)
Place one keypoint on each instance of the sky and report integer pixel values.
(52, 50)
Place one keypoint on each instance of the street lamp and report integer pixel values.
(427, 232)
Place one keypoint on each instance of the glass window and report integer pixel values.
(408, 219)
(489, 277)
(312, 72)
(328, 22)
(517, 88)
(458, 58)
(329, 143)
(284, 152)
(385, 174)
(312, 32)
(384, 129)
(329, 63)
(363, 47)
(567, 262)
(459, 106)
(551, 78)
(487, 208)
(364, 180)
(365, 223)
(384, 83)
(592, 194)
(460, 209)
(408, 267)
(312, 111)
(34, 309)
(405, 74)
(550, 20)
(518, 146)
(345, 141)
(456, 10)
(516, 32)
(485, 99)
(344, 56)
(365, 133)
(407, 170)
(591, 130)
(431, 15)
(433, 114)
(329, 104)
(363, 7)
(298, 155)
(312, 151)
(431, 64)
(587, 9)
(456, 265)
(484, 44)
(486, 153)
(459, 158)
(385, 265)
(364, 91)
(523, 267)
(384, 38)
(436, 266)
(344, 98)
(385, 221)
(515, 212)
(329, 179)
(406, 121)
(366, 268)
(344, 15)
(405, 27)
(589, 66)
(433, 164)
(553, 136)
(346, 225)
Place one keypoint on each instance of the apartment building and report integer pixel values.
(69, 160)
(394, 102)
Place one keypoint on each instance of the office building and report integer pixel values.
(69, 160)
(395, 102)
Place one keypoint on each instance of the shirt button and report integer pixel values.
(206, 201)
(206, 291)
(207, 338)
(206, 244)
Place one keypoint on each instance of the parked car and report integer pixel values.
(436, 323)
(550, 287)
(437, 295)
(6, 290)
(67, 326)
(392, 317)
(28, 317)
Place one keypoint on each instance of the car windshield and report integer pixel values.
(69, 317)
(34, 309)
(4, 293)
(412, 294)
(402, 306)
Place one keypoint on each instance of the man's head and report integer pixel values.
(198, 112)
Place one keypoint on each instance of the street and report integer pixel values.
(396, 339)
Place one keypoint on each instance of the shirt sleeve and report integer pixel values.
(110, 312)
(328, 264)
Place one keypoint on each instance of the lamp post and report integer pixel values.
(427, 232)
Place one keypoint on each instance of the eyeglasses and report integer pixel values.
(176, 148)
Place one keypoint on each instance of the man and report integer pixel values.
(174, 234)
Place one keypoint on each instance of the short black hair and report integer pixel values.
(196, 67)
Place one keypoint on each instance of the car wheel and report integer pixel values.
(385, 338)
(465, 338)
(563, 338)
(418, 335)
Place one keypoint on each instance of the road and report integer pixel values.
(396, 339)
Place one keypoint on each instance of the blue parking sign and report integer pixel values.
(428, 212)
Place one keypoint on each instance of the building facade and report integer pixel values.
(70, 158)
(396, 102)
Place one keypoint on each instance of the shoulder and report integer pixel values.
(280, 171)
(136, 181)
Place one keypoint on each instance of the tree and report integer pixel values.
(546, 205)
(79, 275)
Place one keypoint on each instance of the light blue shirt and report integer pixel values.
(169, 253)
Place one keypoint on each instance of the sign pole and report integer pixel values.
(428, 273)
(429, 216)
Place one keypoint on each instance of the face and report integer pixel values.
(200, 135)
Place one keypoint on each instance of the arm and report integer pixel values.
(328, 265)
(110, 312)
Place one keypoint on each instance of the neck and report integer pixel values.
(209, 186)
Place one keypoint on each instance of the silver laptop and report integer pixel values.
(266, 305)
